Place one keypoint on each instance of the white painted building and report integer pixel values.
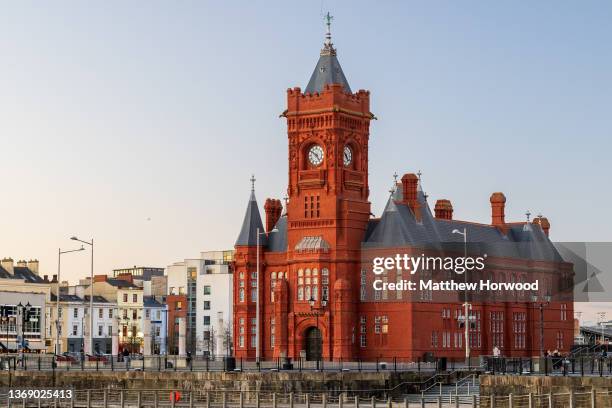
(207, 283)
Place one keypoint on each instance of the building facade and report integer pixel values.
(195, 279)
(316, 292)
(24, 296)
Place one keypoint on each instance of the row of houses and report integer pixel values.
(139, 309)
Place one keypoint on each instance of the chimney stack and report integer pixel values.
(7, 264)
(22, 264)
(444, 209)
(543, 223)
(54, 279)
(100, 278)
(273, 209)
(410, 183)
(33, 265)
(498, 206)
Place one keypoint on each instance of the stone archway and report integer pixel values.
(313, 344)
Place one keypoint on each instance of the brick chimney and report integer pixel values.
(100, 278)
(22, 264)
(125, 277)
(273, 209)
(7, 264)
(444, 209)
(543, 223)
(498, 206)
(410, 183)
(33, 265)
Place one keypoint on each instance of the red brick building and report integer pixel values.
(177, 309)
(321, 246)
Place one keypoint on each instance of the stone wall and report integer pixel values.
(282, 382)
(541, 385)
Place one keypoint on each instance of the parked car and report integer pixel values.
(97, 357)
(65, 357)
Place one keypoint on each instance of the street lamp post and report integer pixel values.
(318, 309)
(57, 304)
(467, 306)
(257, 317)
(91, 285)
(541, 305)
(602, 319)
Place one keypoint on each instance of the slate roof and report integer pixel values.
(398, 227)
(150, 301)
(66, 298)
(277, 241)
(328, 71)
(252, 221)
(96, 298)
(21, 272)
(120, 283)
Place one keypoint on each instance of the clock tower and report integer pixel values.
(328, 208)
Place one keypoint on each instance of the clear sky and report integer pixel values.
(139, 123)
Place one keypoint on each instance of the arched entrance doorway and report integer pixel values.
(313, 344)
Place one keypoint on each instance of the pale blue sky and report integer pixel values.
(115, 112)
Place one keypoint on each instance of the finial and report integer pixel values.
(395, 176)
(328, 46)
(419, 174)
(252, 182)
(528, 214)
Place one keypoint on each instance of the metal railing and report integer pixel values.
(50, 362)
(111, 398)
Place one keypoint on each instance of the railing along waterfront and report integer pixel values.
(117, 398)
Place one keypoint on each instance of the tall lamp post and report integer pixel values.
(602, 318)
(541, 304)
(467, 306)
(257, 317)
(91, 293)
(57, 304)
(318, 309)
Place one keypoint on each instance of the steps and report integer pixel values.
(464, 390)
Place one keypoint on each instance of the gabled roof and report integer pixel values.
(250, 224)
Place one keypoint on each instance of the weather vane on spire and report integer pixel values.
(252, 182)
(328, 46)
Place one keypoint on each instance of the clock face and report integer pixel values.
(315, 155)
(347, 156)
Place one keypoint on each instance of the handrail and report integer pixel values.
(430, 387)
